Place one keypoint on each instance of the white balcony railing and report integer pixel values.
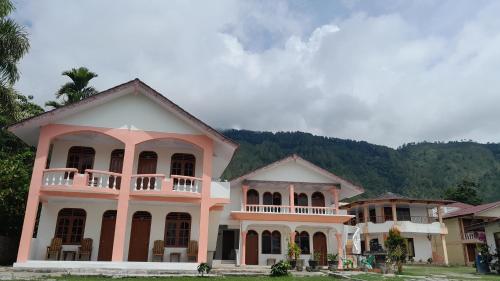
(281, 209)
(273, 209)
(475, 235)
(59, 176)
(144, 182)
(186, 184)
(103, 179)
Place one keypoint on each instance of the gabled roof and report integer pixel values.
(42, 118)
(474, 210)
(302, 161)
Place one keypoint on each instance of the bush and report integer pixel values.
(203, 268)
(280, 269)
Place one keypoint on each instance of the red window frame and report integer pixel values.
(70, 225)
(177, 230)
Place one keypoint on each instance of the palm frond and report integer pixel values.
(13, 45)
(53, 104)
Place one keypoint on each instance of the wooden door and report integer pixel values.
(139, 237)
(107, 236)
(252, 248)
(319, 246)
(116, 166)
(147, 165)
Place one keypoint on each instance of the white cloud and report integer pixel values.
(381, 78)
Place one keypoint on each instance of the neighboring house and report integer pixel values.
(416, 219)
(470, 226)
(125, 167)
(288, 200)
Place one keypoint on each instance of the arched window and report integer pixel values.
(271, 242)
(177, 229)
(276, 198)
(276, 242)
(252, 197)
(81, 158)
(302, 239)
(116, 166)
(300, 200)
(266, 242)
(267, 198)
(318, 199)
(70, 225)
(182, 164)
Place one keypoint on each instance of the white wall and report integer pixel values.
(95, 209)
(132, 111)
(423, 247)
(48, 217)
(103, 155)
(291, 171)
(490, 231)
(158, 213)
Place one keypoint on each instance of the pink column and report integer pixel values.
(292, 236)
(243, 247)
(292, 200)
(205, 202)
(335, 193)
(244, 190)
(123, 202)
(340, 249)
(33, 196)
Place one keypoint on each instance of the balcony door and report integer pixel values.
(116, 166)
(107, 236)
(138, 248)
(147, 165)
(81, 158)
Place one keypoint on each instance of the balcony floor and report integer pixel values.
(290, 217)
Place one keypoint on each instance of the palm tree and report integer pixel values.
(14, 45)
(75, 90)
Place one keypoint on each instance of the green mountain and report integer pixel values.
(422, 170)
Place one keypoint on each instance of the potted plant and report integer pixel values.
(314, 260)
(293, 254)
(333, 261)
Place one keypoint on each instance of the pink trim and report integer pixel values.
(243, 247)
(33, 197)
(290, 217)
(340, 249)
(205, 201)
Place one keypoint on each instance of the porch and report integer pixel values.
(175, 226)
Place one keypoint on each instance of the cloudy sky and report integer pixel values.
(388, 72)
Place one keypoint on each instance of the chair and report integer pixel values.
(192, 250)
(85, 249)
(158, 250)
(54, 250)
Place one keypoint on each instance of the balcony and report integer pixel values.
(93, 183)
(474, 237)
(289, 213)
(408, 224)
(98, 184)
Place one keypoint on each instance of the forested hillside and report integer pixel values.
(417, 170)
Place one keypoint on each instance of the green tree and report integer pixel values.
(397, 248)
(14, 45)
(75, 90)
(465, 192)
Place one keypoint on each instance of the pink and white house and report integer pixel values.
(125, 168)
(134, 176)
(288, 200)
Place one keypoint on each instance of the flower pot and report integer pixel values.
(313, 264)
(300, 265)
(293, 264)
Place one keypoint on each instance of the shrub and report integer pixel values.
(204, 268)
(397, 248)
(280, 269)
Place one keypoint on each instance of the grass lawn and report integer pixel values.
(452, 272)
(228, 278)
